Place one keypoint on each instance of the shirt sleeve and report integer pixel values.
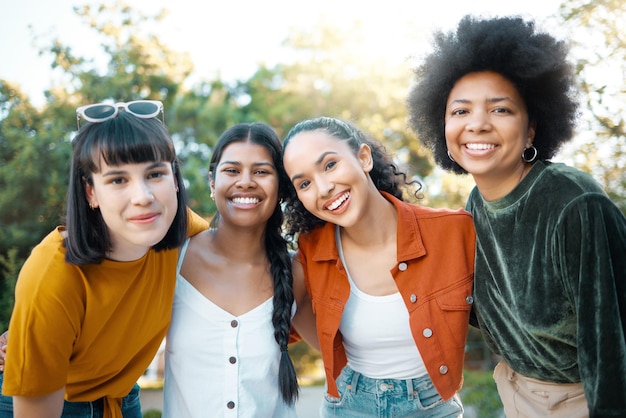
(44, 325)
(590, 245)
(195, 223)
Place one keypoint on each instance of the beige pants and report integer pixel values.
(524, 397)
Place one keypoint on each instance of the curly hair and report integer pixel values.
(385, 173)
(535, 62)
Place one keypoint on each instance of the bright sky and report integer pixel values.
(231, 37)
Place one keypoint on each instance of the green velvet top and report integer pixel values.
(550, 282)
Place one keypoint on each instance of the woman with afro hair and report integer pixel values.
(495, 99)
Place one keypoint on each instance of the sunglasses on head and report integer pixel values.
(100, 112)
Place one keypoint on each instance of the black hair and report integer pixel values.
(276, 245)
(385, 173)
(125, 139)
(535, 62)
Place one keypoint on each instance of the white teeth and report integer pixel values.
(245, 200)
(480, 146)
(338, 202)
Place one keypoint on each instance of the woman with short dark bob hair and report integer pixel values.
(132, 141)
(496, 99)
(93, 301)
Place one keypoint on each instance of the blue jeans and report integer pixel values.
(131, 406)
(361, 396)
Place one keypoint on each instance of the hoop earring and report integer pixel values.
(450, 156)
(534, 156)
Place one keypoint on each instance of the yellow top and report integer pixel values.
(93, 329)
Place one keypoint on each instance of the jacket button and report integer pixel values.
(230, 405)
(232, 360)
(234, 323)
(427, 332)
(402, 266)
(469, 300)
(443, 369)
(413, 298)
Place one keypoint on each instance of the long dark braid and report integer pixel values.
(280, 268)
(275, 246)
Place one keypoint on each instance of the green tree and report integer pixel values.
(596, 31)
(35, 144)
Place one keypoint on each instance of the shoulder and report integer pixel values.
(318, 235)
(195, 223)
(562, 180)
(442, 216)
(50, 252)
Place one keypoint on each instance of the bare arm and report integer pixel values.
(48, 406)
(304, 319)
(3, 348)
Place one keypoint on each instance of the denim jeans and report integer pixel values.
(361, 396)
(131, 406)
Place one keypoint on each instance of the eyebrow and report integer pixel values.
(317, 162)
(156, 164)
(257, 164)
(489, 100)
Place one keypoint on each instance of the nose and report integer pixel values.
(324, 187)
(246, 180)
(142, 195)
(478, 122)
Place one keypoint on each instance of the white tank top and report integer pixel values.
(376, 334)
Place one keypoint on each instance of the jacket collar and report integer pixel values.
(409, 238)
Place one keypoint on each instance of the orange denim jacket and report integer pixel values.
(434, 273)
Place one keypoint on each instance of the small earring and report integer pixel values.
(450, 156)
(212, 197)
(534, 156)
(91, 206)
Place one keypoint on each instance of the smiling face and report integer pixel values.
(328, 177)
(138, 203)
(487, 129)
(245, 185)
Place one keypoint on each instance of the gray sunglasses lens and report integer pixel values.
(143, 108)
(99, 111)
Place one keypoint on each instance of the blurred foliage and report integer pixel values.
(479, 393)
(331, 75)
(596, 32)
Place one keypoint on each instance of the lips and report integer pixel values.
(144, 218)
(337, 202)
(246, 200)
(479, 147)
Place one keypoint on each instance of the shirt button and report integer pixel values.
(427, 332)
(230, 405)
(443, 369)
(402, 266)
(413, 298)
(234, 323)
(232, 360)
(469, 300)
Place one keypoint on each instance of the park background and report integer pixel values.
(217, 63)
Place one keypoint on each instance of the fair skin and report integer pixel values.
(333, 184)
(245, 186)
(487, 128)
(138, 203)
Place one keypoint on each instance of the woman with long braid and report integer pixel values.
(227, 343)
